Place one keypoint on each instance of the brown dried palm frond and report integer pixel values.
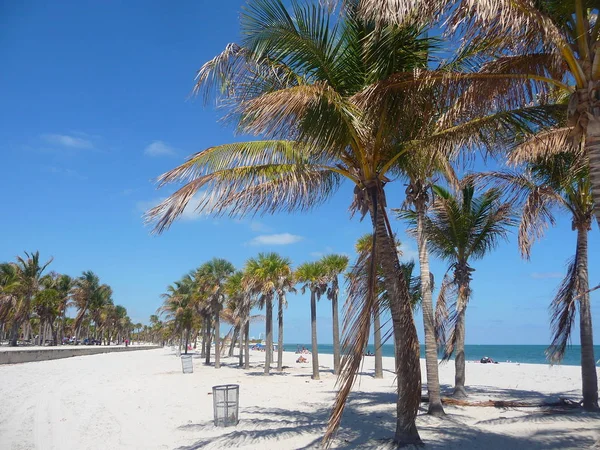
(524, 25)
(562, 310)
(360, 304)
(537, 200)
(463, 96)
(315, 114)
(443, 310)
(236, 74)
(544, 145)
(493, 132)
(400, 11)
(276, 177)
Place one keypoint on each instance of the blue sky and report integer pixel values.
(95, 106)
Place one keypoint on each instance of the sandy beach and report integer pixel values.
(142, 400)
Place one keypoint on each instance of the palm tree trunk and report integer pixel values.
(234, 339)
(336, 328)
(241, 339)
(408, 369)
(280, 332)
(208, 340)
(203, 350)
(592, 148)
(14, 333)
(459, 350)
(377, 342)
(269, 330)
(313, 334)
(589, 377)
(247, 345)
(431, 358)
(217, 340)
(187, 339)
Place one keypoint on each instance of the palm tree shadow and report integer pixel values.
(367, 429)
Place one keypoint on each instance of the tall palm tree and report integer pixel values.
(285, 283)
(210, 279)
(313, 275)
(461, 228)
(420, 170)
(263, 277)
(294, 81)
(559, 182)
(548, 51)
(86, 290)
(239, 295)
(9, 284)
(29, 271)
(334, 266)
(63, 285)
(179, 307)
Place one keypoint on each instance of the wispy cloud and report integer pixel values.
(276, 239)
(327, 251)
(159, 148)
(65, 172)
(259, 227)
(409, 252)
(68, 141)
(545, 275)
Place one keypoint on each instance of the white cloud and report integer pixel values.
(259, 227)
(159, 148)
(408, 252)
(65, 140)
(276, 239)
(545, 275)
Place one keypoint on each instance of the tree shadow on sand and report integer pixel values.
(365, 428)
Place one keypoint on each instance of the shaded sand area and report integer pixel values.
(141, 400)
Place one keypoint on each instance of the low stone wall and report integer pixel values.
(30, 355)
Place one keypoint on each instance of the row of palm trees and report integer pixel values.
(32, 300)
(216, 291)
(357, 94)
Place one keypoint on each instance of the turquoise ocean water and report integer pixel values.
(531, 354)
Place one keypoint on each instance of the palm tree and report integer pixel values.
(314, 277)
(86, 290)
(419, 170)
(547, 53)
(179, 307)
(9, 284)
(63, 285)
(263, 277)
(559, 182)
(284, 283)
(461, 228)
(334, 266)
(295, 81)
(239, 306)
(28, 272)
(211, 278)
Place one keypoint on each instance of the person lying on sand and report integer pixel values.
(302, 359)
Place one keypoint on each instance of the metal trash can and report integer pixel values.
(226, 404)
(187, 364)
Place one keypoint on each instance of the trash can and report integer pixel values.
(187, 364)
(226, 403)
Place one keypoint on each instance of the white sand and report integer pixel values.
(141, 400)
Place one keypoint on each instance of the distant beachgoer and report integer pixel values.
(301, 359)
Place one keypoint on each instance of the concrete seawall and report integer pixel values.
(16, 356)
